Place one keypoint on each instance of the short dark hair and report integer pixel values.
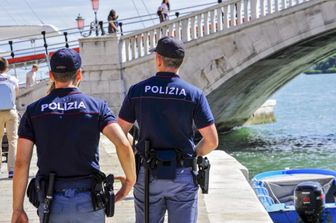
(65, 77)
(172, 62)
(3, 64)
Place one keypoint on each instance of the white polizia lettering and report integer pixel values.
(65, 106)
(165, 90)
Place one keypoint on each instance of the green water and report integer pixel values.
(303, 136)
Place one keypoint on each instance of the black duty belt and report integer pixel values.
(185, 163)
(79, 184)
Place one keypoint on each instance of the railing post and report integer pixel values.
(253, 9)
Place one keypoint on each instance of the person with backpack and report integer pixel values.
(163, 11)
(9, 89)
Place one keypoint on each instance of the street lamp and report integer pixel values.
(94, 25)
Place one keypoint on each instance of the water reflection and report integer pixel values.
(262, 151)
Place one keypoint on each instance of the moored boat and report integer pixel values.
(298, 195)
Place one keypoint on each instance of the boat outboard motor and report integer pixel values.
(309, 201)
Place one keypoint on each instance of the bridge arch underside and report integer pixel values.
(236, 99)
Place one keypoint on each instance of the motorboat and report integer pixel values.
(298, 195)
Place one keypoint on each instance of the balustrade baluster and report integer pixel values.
(152, 39)
(262, 8)
(171, 30)
(253, 9)
(192, 28)
(212, 22)
(178, 29)
(127, 49)
(199, 26)
(239, 13)
(139, 45)
(283, 4)
(185, 30)
(291, 3)
(276, 5)
(146, 45)
(226, 23)
(220, 18)
(246, 11)
(232, 15)
(206, 23)
(133, 43)
(269, 7)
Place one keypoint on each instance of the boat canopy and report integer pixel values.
(281, 187)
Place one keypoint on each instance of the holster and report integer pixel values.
(36, 191)
(32, 193)
(102, 193)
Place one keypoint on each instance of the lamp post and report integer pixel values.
(94, 26)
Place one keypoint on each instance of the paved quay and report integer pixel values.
(230, 198)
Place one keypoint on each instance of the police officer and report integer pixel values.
(165, 107)
(65, 126)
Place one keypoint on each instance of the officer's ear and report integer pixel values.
(51, 76)
(78, 77)
(158, 60)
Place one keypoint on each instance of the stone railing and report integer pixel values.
(218, 18)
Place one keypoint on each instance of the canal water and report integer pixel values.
(303, 136)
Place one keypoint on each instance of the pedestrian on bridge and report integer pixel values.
(113, 22)
(165, 107)
(163, 11)
(65, 126)
(9, 89)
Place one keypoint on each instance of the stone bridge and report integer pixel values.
(239, 52)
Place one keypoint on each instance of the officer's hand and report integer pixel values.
(126, 187)
(19, 217)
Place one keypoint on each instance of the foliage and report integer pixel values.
(327, 65)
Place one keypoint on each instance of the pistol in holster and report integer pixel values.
(201, 170)
(102, 193)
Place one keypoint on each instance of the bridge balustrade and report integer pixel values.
(219, 18)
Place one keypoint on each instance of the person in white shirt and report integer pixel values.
(163, 11)
(31, 76)
(9, 89)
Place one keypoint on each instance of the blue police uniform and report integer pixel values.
(166, 107)
(65, 126)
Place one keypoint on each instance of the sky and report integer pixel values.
(62, 13)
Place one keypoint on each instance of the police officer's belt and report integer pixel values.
(79, 184)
